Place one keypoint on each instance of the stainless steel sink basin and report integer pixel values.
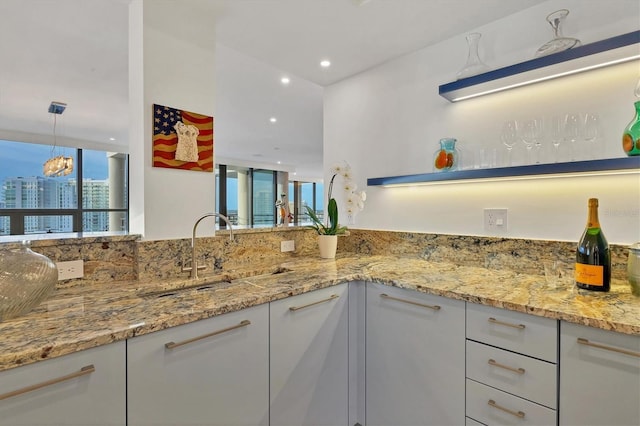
(216, 282)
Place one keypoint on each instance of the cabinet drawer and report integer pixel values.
(515, 331)
(82, 388)
(493, 407)
(520, 375)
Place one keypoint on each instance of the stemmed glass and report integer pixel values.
(556, 125)
(509, 137)
(590, 132)
(572, 132)
(531, 134)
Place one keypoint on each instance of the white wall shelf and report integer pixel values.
(599, 54)
(626, 165)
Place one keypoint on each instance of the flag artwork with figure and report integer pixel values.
(182, 139)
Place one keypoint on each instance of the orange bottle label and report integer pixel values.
(590, 274)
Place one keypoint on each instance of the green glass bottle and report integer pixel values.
(593, 259)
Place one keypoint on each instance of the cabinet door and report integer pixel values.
(415, 358)
(599, 377)
(309, 359)
(221, 379)
(84, 388)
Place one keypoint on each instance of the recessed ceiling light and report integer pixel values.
(325, 63)
(279, 162)
(112, 139)
(273, 119)
(285, 80)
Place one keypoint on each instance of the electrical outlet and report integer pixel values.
(289, 245)
(70, 269)
(495, 220)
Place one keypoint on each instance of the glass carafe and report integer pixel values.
(447, 157)
(559, 42)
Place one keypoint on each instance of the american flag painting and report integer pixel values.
(166, 152)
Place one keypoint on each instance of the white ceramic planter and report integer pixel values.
(328, 245)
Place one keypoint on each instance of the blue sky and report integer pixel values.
(23, 159)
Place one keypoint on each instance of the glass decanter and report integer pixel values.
(474, 65)
(559, 42)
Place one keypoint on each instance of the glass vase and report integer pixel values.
(474, 65)
(559, 42)
(26, 279)
(631, 135)
(447, 157)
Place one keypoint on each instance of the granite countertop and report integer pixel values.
(90, 315)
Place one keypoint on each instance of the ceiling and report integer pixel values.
(75, 51)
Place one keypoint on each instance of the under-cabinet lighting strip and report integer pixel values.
(513, 178)
(604, 167)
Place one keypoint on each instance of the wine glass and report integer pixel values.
(572, 131)
(530, 135)
(509, 137)
(590, 131)
(556, 125)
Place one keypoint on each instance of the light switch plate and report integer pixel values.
(495, 220)
(289, 245)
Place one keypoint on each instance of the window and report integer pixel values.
(247, 196)
(31, 203)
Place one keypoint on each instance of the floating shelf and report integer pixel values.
(602, 53)
(624, 165)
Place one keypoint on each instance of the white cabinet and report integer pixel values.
(210, 372)
(415, 351)
(599, 377)
(511, 367)
(309, 359)
(80, 389)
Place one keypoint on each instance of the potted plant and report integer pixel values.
(328, 233)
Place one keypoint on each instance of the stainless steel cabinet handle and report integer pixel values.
(506, 367)
(608, 348)
(519, 414)
(172, 345)
(83, 371)
(297, 308)
(434, 307)
(507, 324)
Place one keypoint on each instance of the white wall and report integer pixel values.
(171, 57)
(387, 121)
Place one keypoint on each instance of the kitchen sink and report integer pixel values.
(214, 282)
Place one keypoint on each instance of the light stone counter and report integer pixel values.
(81, 317)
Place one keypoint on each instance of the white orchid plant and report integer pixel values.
(354, 203)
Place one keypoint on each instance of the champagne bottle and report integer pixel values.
(593, 259)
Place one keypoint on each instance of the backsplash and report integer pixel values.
(125, 258)
(525, 256)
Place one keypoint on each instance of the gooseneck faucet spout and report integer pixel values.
(194, 263)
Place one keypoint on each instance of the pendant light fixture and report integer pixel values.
(59, 165)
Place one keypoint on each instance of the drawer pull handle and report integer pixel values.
(172, 345)
(608, 348)
(82, 372)
(518, 414)
(297, 308)
(434, 307)
(506, 367)
(507, 324)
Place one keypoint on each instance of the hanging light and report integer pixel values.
(59, 165)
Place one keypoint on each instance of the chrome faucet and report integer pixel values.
(194, 263)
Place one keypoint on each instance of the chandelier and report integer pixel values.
(58, 165)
